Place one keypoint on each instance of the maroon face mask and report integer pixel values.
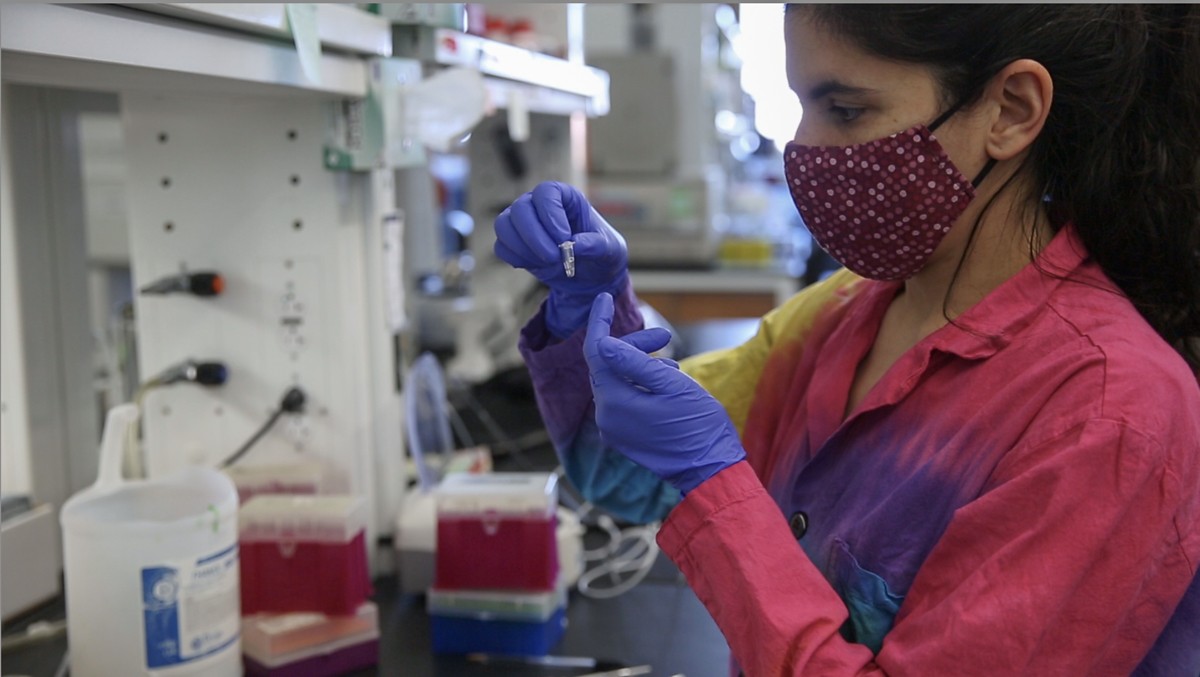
(879, 208)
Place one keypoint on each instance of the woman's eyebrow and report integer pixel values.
(835, 87)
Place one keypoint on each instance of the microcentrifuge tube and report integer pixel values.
(567, 250)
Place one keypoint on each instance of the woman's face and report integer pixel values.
(851, 97)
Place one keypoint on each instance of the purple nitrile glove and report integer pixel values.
(656, 415)
(528, 234)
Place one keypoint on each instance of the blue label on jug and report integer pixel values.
(190, 608)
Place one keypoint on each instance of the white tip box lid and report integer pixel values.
(281, 517)
(279, 478)
(518, 493)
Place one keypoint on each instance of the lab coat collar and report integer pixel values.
(993, 322)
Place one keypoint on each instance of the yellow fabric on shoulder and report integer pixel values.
(731, 374)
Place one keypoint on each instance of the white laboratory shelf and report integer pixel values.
(546, 84)
(116, 48)
(343, 27)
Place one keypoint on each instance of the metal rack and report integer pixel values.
(547, 84)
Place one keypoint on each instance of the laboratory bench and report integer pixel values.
(659, 623)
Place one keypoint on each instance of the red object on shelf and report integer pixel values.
(496, 28)
(521, 34)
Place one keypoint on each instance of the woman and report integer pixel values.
(977, 449)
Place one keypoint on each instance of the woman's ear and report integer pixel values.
(1022, 93)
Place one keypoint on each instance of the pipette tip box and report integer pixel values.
(303, 553)
(310, 644)
(303, 478)
(336, 662)
(496, 531)
(501, 622)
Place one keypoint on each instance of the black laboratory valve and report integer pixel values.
(192, 371)
(208, 374)
(200, 284)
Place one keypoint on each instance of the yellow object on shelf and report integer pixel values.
(746, 252)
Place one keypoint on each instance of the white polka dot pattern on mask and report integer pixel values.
(880, 208)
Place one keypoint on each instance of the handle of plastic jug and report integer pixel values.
(112, 445)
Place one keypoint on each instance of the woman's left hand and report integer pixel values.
(650, 411)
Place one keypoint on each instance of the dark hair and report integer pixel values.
(1120, 152)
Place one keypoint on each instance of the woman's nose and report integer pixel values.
(803, 134)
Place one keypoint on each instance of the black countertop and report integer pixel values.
(659, 623)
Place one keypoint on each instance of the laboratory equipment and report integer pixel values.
(530, 606)
(204, 373)
(569, 534)
(640, 135)
(497, 531)
(446, 15)
(428, 419)
(497, 586)
(300, 477)
(551, 661)
(666, 221)
(416, 542)
(282, 224)
(568, 257)
(151, 569)
(431, 446)
(304, 553)
(193, 371)
(310, 644)
(292, 402)
(490, 622)
(201, 284)
(428, 433)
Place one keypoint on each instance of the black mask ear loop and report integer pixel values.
(946, 116)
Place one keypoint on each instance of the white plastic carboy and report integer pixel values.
(151, 570)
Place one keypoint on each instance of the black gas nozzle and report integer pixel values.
(205, 283)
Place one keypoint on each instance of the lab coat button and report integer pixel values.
(798, 523)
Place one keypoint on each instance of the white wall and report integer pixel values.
(102, 147)
(14, 427)
(47, 316)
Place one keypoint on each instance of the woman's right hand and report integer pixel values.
(528, 234)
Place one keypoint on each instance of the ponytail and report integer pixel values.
(1135, 192)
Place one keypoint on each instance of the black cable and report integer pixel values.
(233, 458)
(292, 403)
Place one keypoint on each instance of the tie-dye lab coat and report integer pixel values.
(1019, 494)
